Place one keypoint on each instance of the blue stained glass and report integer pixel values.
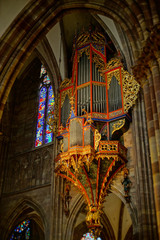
(44, 133)
(46, 80)
(41, 116)
(22, 231)
(49, 134)
(88, 236)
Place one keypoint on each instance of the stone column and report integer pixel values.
(57, 190)
(156, 81)
(155, 114)
(153, 151)
(144, 185)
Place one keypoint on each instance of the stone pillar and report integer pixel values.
(155, 114)
(149, 61)
(144, 185)
(153, 151)
(156, 81)
(57, 213)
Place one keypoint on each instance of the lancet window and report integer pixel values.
(44, 134)
(22, 231)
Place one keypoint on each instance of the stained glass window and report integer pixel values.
(89, 236)
(46, 101)
(22, 231)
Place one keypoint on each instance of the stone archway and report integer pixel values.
(112, 228)
(26, 209)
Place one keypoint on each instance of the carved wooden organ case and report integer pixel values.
(93, 113)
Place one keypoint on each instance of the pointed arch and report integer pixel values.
(25, 209)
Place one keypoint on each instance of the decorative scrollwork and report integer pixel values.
(118, 125)
(63, 95)
(52, 118)
(115, 114)
(99, 48)
(98, 37)
(130, 89)
(113, 63)
(93, 37)
(65, 83)
(81, 40)
(98, 60)
(81, 51)
(97, 138)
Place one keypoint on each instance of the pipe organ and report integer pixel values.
(99, 87)
(91, 114)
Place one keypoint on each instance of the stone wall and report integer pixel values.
(27, 175)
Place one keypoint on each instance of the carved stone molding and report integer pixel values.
(31, 169)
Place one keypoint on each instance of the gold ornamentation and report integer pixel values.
(99, 115)
(62, 145)
(61, 129)
(118, 125)
(98, 38)
(113, 63)
(65, 83)
(93, 217)
(78, 120)
(93, 220)
(63, 95)
(81, 51)
(70, 164)
(82, 39)
(75, 157)
(115, 73)
(130, 90)
(98, 60)
(52, 118)
(88, 118)
(125, 171)
(85, 38)
(99, 48)
(129, 85)
(112, 147)
(114, 114)
(97, 138)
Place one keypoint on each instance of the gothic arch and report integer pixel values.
(69, 228)
(69, 232)
(47, 57)
(26, 208)
(37, 18)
